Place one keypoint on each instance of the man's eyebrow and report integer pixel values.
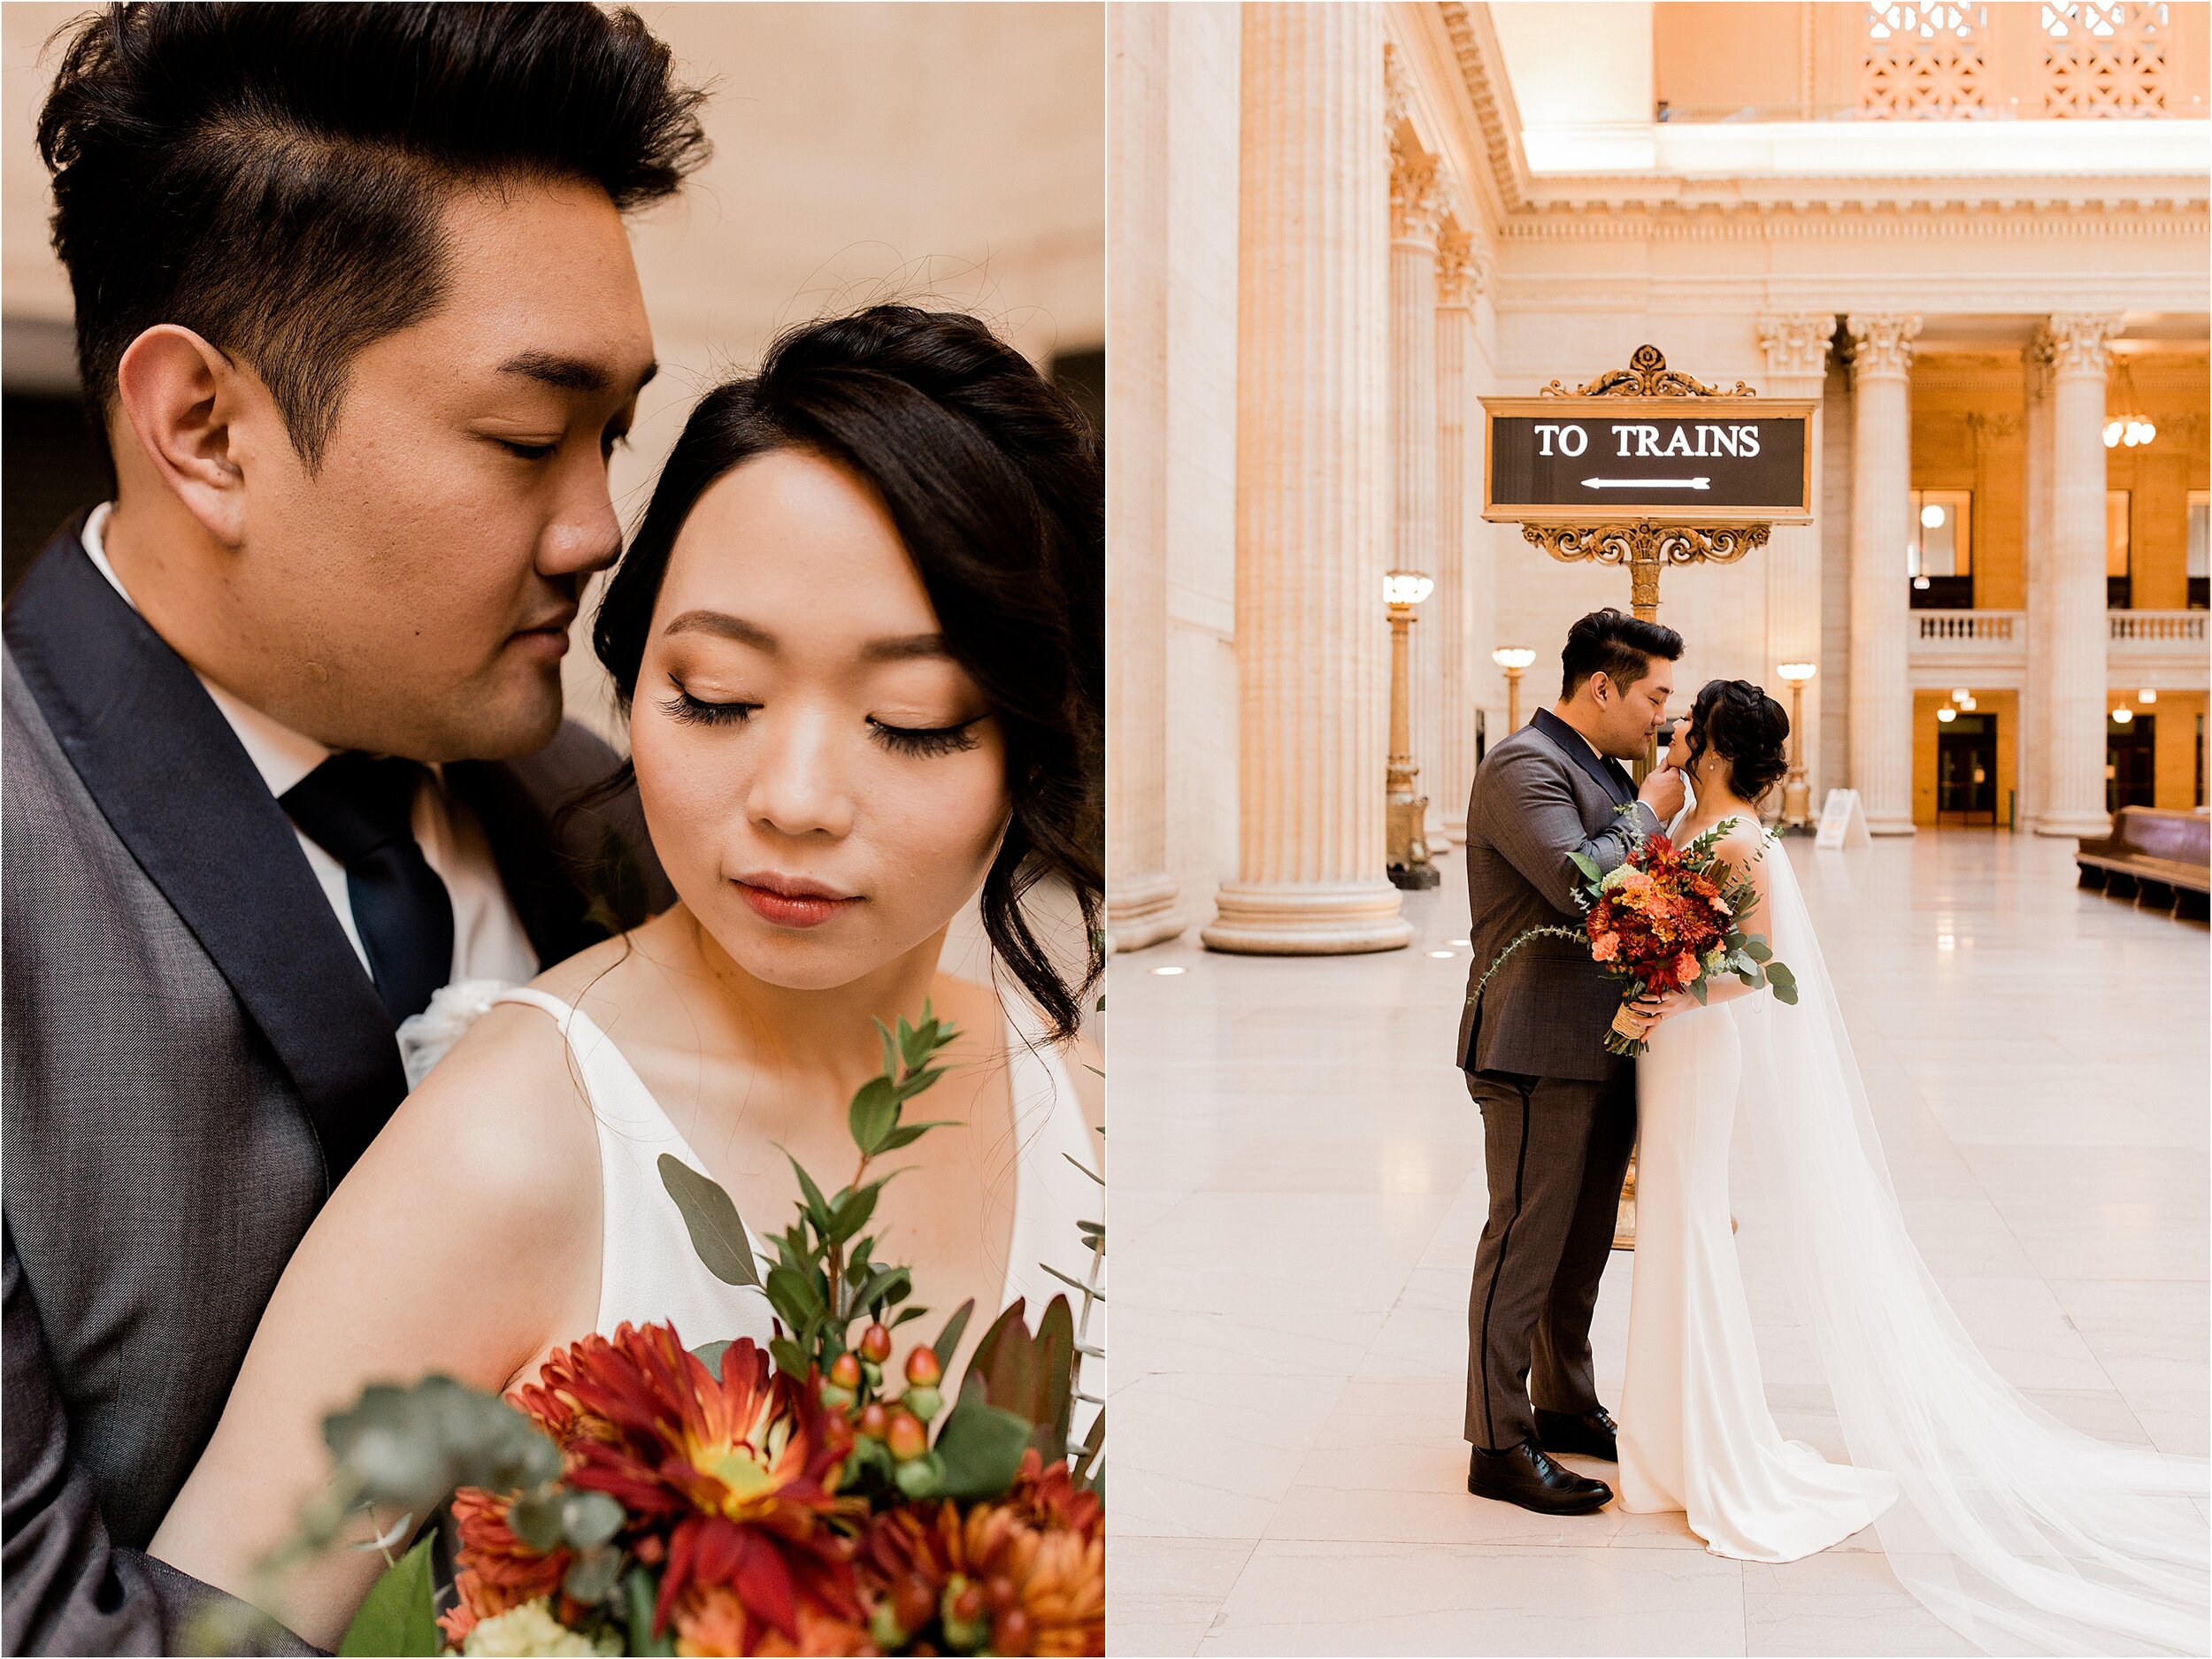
(723, 625)
(569, 374)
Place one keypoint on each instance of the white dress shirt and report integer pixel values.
(488, 938)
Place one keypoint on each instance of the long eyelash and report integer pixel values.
(939, 740)
(693, 711)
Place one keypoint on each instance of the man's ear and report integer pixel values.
(182, 399)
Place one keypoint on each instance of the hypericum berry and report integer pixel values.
(875, 1344)
(961, 1609)
(924, 1368)
(914, 1601)
(905, 1436)
(845, 1370)
(925, 1403)
(835, 1399)
(873, 1420)
(885, 1630)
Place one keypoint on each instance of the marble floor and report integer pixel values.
(1297, 1186)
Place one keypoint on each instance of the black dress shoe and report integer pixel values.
(1527, 1476)
(1591, 1433)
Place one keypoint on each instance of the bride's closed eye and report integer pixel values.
(698, 711)
(930, 739)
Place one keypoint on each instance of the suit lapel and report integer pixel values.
(1569, 743)
(168, 774)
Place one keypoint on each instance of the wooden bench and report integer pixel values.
(2152, 856)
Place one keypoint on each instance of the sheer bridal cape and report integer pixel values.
(2021, 1533)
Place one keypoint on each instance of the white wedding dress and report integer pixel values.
(2019, 1533)
(649, 1271)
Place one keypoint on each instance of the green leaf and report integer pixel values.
(588, 1519)
(890, 1049)
(879, 1285)
(1055, 1345)
(947, 1340)
(1758, 950)
(907, 1135)
(536, 1518)
(1698, 990)
(795, 1296)
(710, 1355)
(1784, 982)
(924, 1477)
(711, 1219)
(852, 1211)
(789, 1356)
(874, 1111)
(902, 1316)
(818, 1208)
(640, 1590)
(1092, 1444)
(400, 1615)
(1587, 865)
(917, 1082)
(591, 1576)
(981, 1446)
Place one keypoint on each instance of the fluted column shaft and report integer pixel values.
(1881, 518)
(1313, 496)
(1141, 896)
(1452, 622)
(2035, 711)
(2073, 738)
(1796, 348)
(1413, 295)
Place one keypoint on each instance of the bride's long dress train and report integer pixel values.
(1695, 1433)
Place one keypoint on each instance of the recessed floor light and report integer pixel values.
(1166, 970)
(1462, 944)
(1447, 954)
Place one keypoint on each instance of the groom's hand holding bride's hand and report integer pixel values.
(1663, 792)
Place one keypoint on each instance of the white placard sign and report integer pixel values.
(1843, 821)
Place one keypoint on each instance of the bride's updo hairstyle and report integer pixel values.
(1738, 721)
(992, 476)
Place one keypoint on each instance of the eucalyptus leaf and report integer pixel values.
(400, 1615)
(588, 1519)
(536, 1518)
(591, 1576)
(710, 1355)
(1758, 950)
(1699, 990)
(711, 1219)
(981, 1446)
(1784, 982)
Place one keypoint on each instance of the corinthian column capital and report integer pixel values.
(1461, 271)
(1416, 194)
(2074, 341)
(1882, 345)
(1796, 344)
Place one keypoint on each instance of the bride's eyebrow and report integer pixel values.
(889, 649)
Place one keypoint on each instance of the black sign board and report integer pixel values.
(1724, 460)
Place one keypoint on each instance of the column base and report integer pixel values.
(2075, 825)
(1891, 824)
(1307, 920)
(1141, 912)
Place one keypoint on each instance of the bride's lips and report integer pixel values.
(791, 900)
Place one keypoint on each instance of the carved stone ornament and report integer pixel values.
(2075, 340)
(1416, 196)
(1645, 548)
(1397, 91)
(1797, 344)
(1647, 375)
(1882, 344)
(1458, 278)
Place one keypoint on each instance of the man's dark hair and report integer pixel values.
(1615, 644)
(272, 177)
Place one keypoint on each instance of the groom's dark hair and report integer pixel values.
(1615, 644)
(272, 177)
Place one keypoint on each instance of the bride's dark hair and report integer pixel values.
(1738, 721)
(992, 476)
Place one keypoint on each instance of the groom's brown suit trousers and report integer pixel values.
(1558, 1111)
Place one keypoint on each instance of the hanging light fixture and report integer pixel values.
(2131, 426)
(1946, 715)
(2146, 695)
(2122, 715)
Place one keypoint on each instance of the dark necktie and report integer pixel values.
(360, 811)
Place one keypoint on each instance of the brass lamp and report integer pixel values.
(1797, 795)
(1407, 854)
(1513, 659)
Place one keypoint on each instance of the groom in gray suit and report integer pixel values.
(1558, 1111)
(284, 747)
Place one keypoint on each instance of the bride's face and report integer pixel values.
(1678, 753)
(824, 786)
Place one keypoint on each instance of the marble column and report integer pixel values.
(2036, 555)
(1139, 894)
(1881, 519)
(1455, 615)
(1313, 491)
(1414, 208)
(2073, 689)
(1796, 348)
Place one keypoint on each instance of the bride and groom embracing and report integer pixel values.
(2019, 1533)
(286, 761)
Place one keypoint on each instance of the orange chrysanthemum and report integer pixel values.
(497, 1570)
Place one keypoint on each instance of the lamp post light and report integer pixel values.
(1513, 659)
(1797, 794)
(1407, 852)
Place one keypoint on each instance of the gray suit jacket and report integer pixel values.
(1539, 796)
(192, 1056)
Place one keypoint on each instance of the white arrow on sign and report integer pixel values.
(1646, 483)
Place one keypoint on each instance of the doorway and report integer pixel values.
(2130, 770)
(1966, 771)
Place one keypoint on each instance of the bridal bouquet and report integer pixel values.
(1665, 919)
(643, 1497)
